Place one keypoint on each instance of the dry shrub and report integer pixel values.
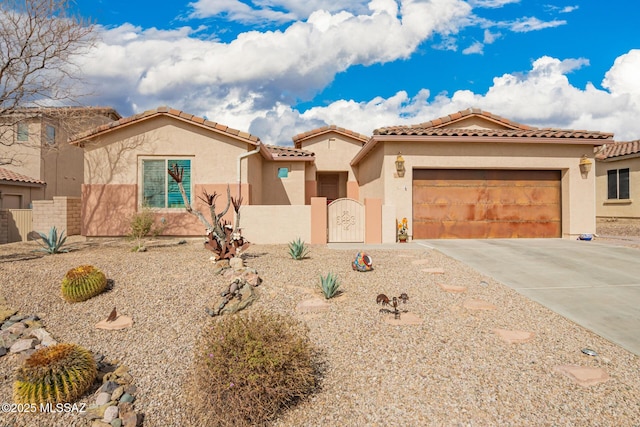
(250, 367)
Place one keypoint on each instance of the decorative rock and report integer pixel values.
(252, 278)
(110, 414)
(109, 387)
(38, 333)
(452, 288)
(406, 319)
(16, 328)
(96, 411)
(116, 423)
(237, 263)
(7, 340)
(16, 318)
(124, 379)
(130, 420)
(220, 265)
(121, 322)
(434, 270)
(103, 398)
(7, 324)
(3, 351)
(121, 370)
(33, 324)
(126, 398)
(130, 388)
(117, 393)
(99, 423)
(476, 304)
(230, 306)
(583, 375)
(314, 305)
(514, 337)
(23, 345)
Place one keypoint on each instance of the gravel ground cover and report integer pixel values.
(452, 369)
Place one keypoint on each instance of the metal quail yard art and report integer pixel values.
(384, 301)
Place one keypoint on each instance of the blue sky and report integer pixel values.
(276, 68)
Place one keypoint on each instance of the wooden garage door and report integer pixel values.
(477, 204)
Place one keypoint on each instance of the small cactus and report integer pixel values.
(58, 374)
(329, 285)
(82, 283)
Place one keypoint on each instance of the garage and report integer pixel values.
(480, 204)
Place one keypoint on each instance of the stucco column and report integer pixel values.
(353, 190)
(372, 221)
(319, 220)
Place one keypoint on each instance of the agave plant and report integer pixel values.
(329, 285)
(57, 374)
(297, 249)
(52, 244)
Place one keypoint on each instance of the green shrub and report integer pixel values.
(142, 224)
(82, 283)
(329, 285)
(297, 249)
(248, 368)
(51, 243)
(58, 374)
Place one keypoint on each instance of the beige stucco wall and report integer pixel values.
(333, 153)
(283, 191)
(370, 174)
(276, 224)
(24, 193)
(618, 208)
(114, 158)
(578, 194)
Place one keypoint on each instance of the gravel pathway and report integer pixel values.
(450, 370)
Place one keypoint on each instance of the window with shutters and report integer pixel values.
(158, 189)
(618, 184)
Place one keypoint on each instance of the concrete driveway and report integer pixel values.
(597, 285)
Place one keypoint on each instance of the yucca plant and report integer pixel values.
(51, 243)
(297, 249)
(58, 374)
(82, 283)
(329, 285)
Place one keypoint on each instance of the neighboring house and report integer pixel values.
(34, 147)
(16, 188)
(471, 174)
(618, 180)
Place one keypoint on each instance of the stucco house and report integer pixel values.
(618, 180)
(38, 164)
(471, 174)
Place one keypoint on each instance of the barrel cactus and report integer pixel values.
(58, 374)
(82, 283)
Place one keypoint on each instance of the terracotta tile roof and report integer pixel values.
(62, 111)
(7, 175)
(166, 111)
(437, 128)
(277, 152)
(444, 127)
(297, 140)
(619, 149)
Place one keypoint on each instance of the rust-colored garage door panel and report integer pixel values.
(484, 229)
(486, 203)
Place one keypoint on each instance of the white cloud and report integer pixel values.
(152, 67)
(278, 11)
(476, 48)
(524, 25)
(541, 97)
(492, 4)
(490, 37)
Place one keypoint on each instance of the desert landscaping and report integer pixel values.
(466, 350)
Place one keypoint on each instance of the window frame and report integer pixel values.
(49, 139)
(283, 168)
(167, 159)
(22, 132)
(618, 184)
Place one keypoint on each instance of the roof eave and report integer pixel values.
(480, 139)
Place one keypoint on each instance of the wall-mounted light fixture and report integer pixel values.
(400, 165)
(585, 165)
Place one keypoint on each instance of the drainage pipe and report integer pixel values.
(240, 157)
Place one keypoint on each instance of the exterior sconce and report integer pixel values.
(400, 166)
(585, 166)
